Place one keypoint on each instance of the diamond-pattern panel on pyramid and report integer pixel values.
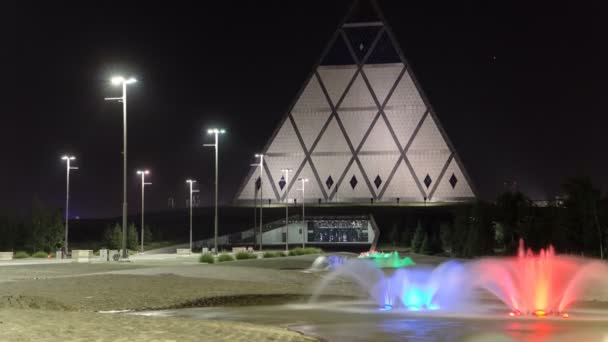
(428, 181)
(405, 109)
(461, 188)
(378, 165)
(332, 140)
(402, 186)
(453, 181)
(359, 192)
(330, 166)
(380, 139)
(329, 182)
(382, 78)
(248, 193)
(311, 111)
(278, 163)
(357, 111)
(313, 190)
(258, 183)
(384, 52)
(249, 190)
(286, 140)
(338, 53)
(428, 152)
(353, 182)
(377, 181)
(361, 39)
(336, 78)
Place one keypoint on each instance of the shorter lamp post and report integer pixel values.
(191, 183)
(67, 199)
(286, 172)
(216, 132)
(261, 165)
(143, 174)
(303, 181)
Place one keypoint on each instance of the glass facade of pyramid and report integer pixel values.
(360, 129)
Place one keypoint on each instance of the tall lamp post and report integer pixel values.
(303, 181)
(67, 198)
(286, 172)
(143, 174)
(261, 165)
(119, 80)
(216, 132)
(191, 183)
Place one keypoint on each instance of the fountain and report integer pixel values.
(387, 260)
(540, 284)
(407, 288)
(537, 284)
(327, 263)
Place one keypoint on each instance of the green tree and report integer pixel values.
(132, 237)
(460, 231)
(45, 229)
(480, 238)
(9, 231)
(425, 246)
(395, 234)
(418, 238)
(582, 202)
(148, 237)
(512, 209)
(445, 235)
(112, 236)
(473, 233)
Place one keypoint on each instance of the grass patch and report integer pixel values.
(207, 259)
(225, 257)
(245, 256)
(272, 254)
(40, 254)
(305, 251)
(21, 255)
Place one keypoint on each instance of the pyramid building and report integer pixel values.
(360, 129)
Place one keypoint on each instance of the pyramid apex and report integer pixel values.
(363, 13)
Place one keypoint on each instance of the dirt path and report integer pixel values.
(42, 325)
(61, 301)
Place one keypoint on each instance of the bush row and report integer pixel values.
(24, 254)
(304, 251)
(245, 256)
(210, 259)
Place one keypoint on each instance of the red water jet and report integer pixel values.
(536, 284)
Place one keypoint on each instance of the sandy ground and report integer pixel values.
(42, 325)
(62, 301)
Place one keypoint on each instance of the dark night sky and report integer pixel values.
(519, 90)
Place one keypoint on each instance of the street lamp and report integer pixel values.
(67, 198)
(119, 80)
(286, 172)
(303, 181)
(191, 182)
(261, 165)
(143, 174)
(216, 132)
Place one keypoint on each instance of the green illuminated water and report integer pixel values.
(388, 260)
